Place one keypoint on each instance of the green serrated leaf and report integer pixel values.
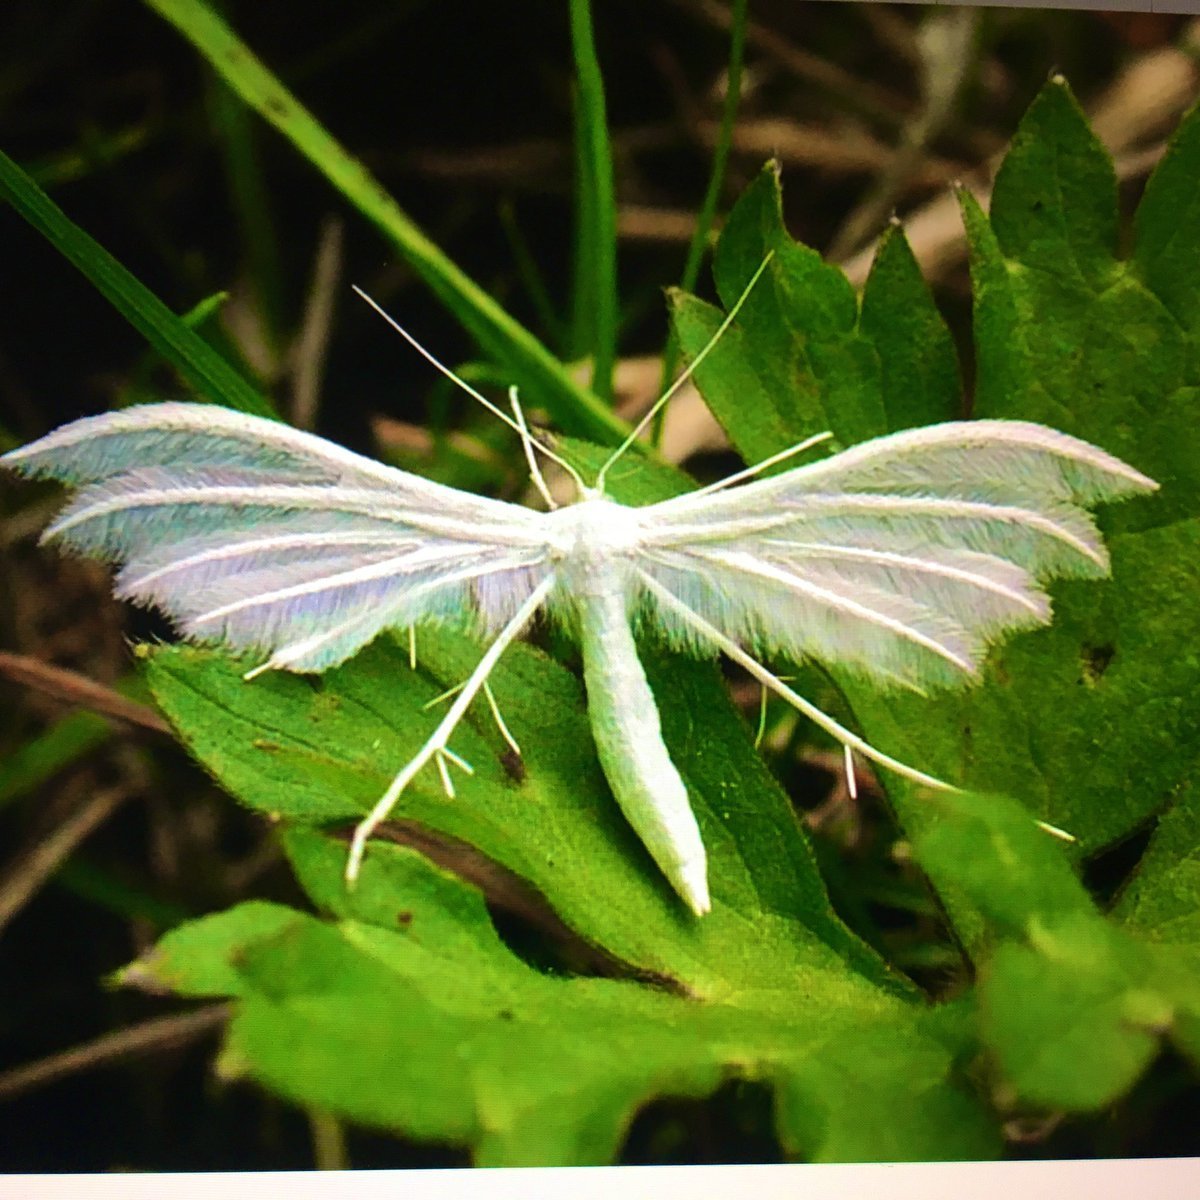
(324, 750)
(1068, 716)
(918, 361)
(1072, 1007)
(1167, 226)
(408, 1013)
(1054, 203)
(798, 332)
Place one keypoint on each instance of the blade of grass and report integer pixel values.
(582, 250)
(712, 193)
(534, 368)
(596, 237)
(196, 361)
(716, 179)
(251, 206)
(42, 757)
(531, 277)
(97, 884)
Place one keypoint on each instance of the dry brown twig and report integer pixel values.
(944, 40)
(78, 689)
(1144, 100)
(312, 342)
(161, 1033)
(32, 867)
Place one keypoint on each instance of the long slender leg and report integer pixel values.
(811, 711)
(848, 765)
(505, 732)
(760, 732)
(849, 740)
(436, 744)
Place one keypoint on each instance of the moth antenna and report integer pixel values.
(474, 393)
(758, 468)
(687, 373)
(527, 444)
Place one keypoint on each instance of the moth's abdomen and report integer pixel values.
(628, 733)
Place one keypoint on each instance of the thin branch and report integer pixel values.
(78, 689)
(860, 95)
(31, 868)
(312, 343)
(945, 40)
(162, 1033)
(1143, 101)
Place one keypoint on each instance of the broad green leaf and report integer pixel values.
(769, 985)
(198, 363)
(323, 750)
(1072, 1007)
(1069, 717)
(1167, 246)
(406, 1011)
(1162, 902)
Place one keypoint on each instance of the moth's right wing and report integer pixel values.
(901, 558)
(259, 536)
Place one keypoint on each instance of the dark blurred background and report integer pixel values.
(463, 110)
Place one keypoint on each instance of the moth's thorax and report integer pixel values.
(593, 541)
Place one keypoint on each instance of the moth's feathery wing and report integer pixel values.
(249, 532)
(901, 557)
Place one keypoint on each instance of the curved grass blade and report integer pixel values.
(194, 359)
(532, 366)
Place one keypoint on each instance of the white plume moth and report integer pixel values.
(900, 558)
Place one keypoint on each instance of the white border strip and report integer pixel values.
(1105, 1179)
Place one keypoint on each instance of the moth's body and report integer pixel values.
(593, 544)
(900, 558)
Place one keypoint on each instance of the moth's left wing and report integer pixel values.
(902, 557)
(251, 533)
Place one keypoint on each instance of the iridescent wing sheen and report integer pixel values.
(263, 537)
(901, 558)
